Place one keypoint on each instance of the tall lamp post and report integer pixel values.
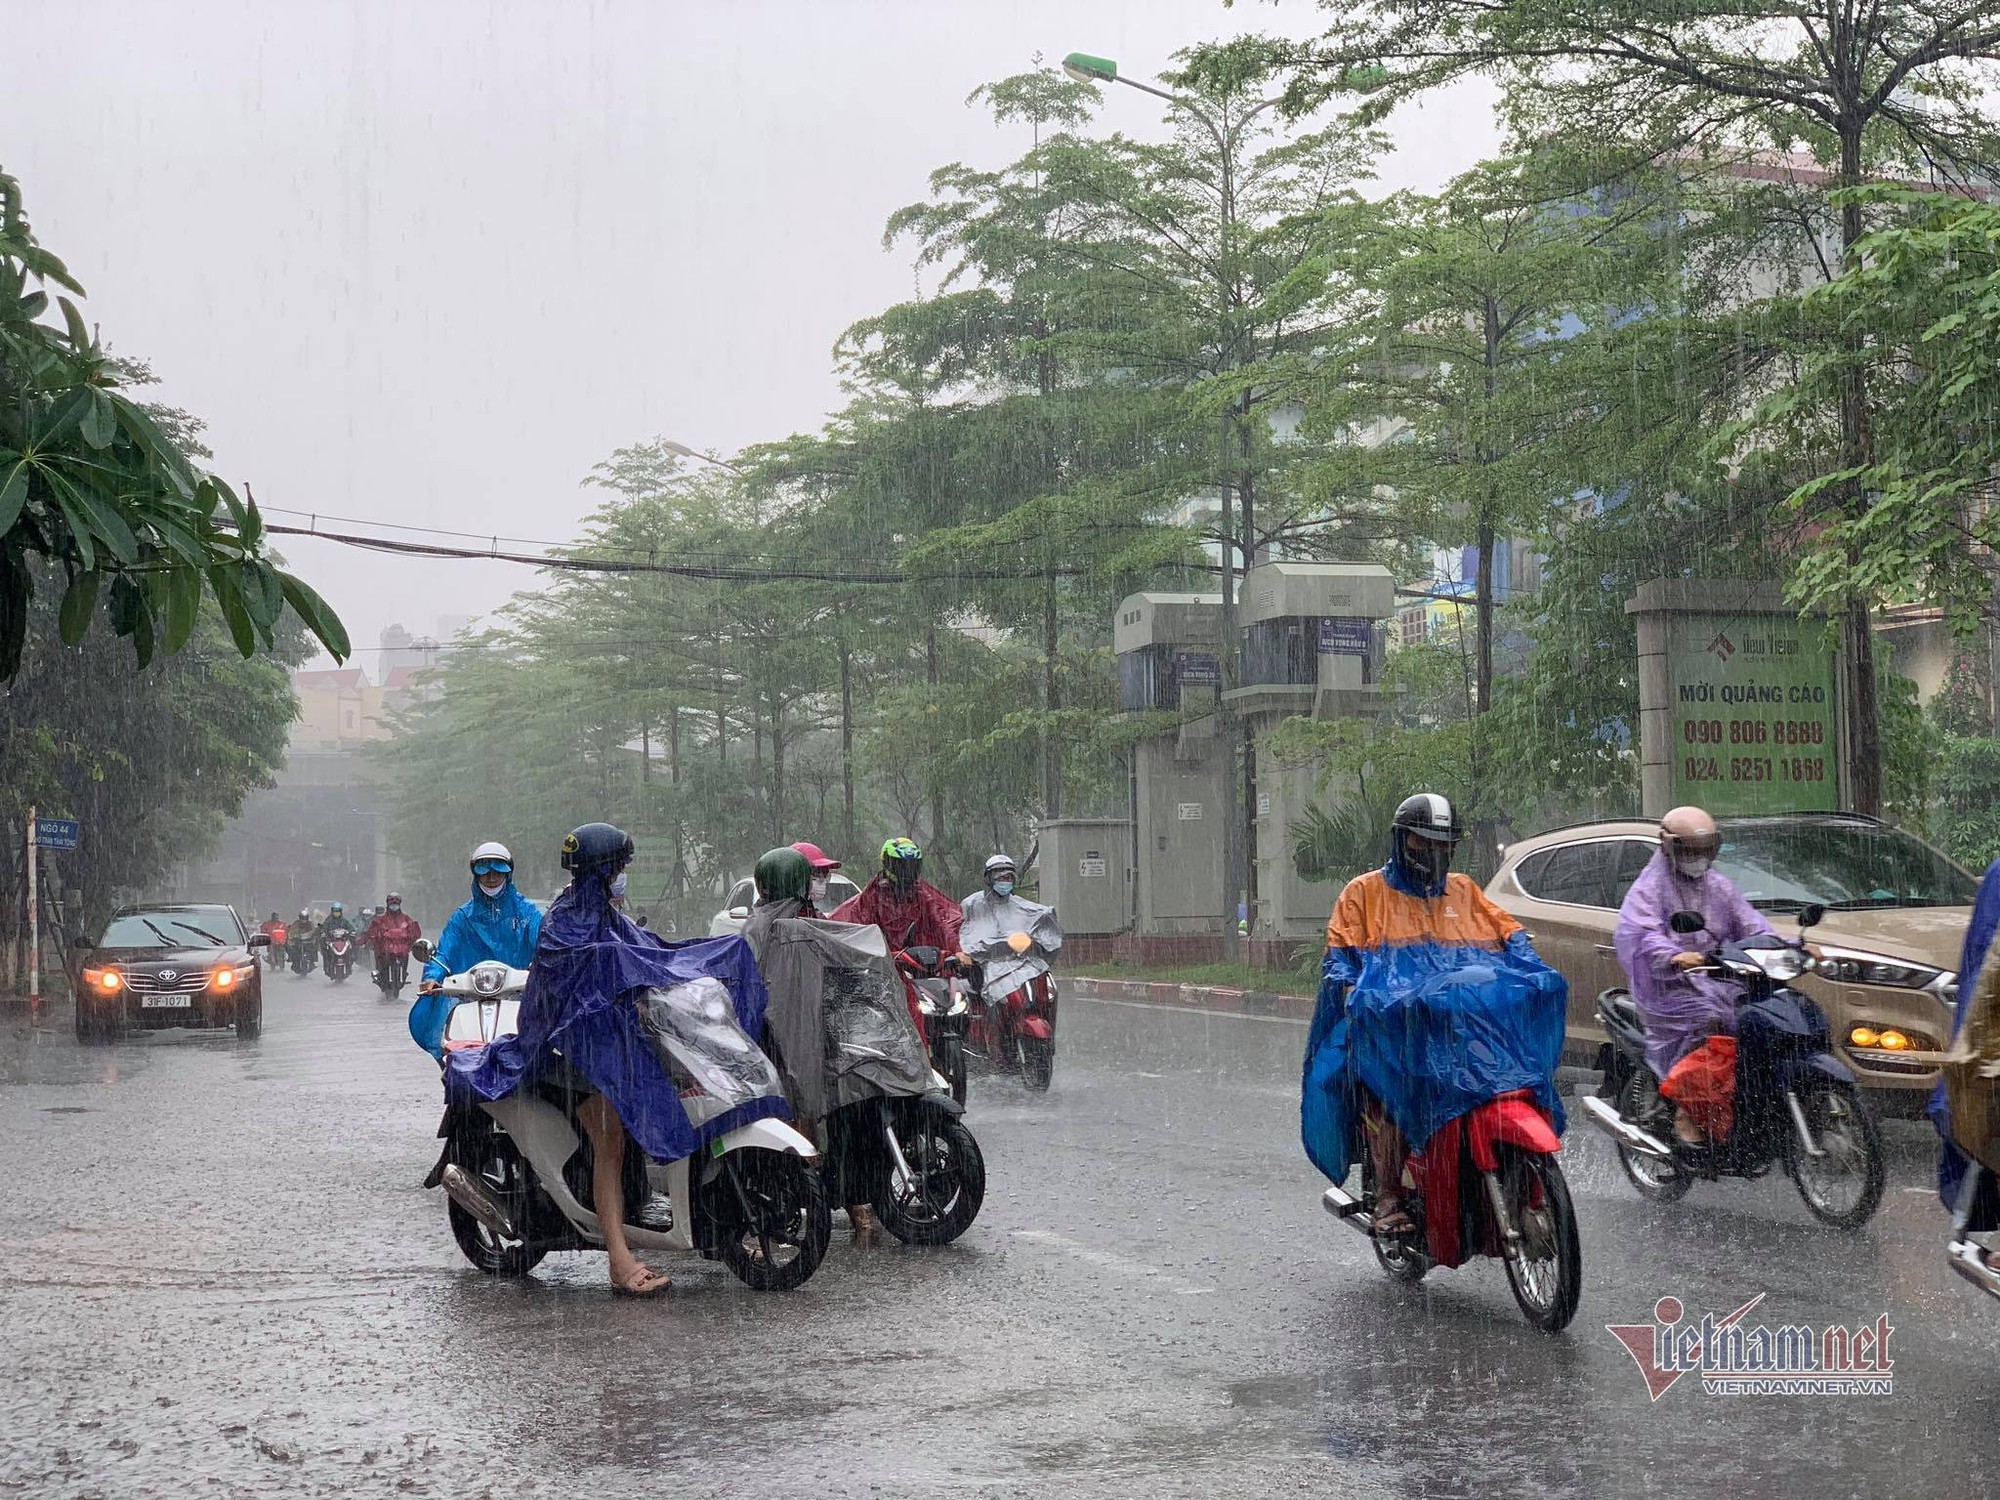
(1084, 68)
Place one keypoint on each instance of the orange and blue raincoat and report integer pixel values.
(1434, 1002)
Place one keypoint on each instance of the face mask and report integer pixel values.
(1427, 860)
(818, 888)
(493, 885)
(1003, 887)
(1695, 868)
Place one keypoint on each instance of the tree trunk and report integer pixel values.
(777, 770)
(1864, 713)
(847, 750)
(674, 746)
(936, 850)
(645, 753)
(1051, 701)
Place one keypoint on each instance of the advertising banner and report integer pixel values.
(1754, 714)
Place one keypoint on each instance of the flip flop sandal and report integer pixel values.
(648, 1283)
(1395, 1223)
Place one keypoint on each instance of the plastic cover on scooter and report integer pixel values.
(693, 1028)
(1433, 1031)
(588, 998)
(838, 1016)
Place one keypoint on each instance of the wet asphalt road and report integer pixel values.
(224, 1279)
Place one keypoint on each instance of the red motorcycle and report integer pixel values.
(1016, 1029)
(1487, 1183)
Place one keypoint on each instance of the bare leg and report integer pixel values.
(1387, 1151)
(607, 1190)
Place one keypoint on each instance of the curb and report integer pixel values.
(1192, 997)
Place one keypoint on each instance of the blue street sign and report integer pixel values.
(57, 833)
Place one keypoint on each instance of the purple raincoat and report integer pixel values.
(1680, 1010)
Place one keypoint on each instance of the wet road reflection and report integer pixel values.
(226, 1279)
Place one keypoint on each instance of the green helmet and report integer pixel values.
(902, 863)
(781, 873)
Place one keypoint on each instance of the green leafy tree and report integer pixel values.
(1867, 88)
(91, 484)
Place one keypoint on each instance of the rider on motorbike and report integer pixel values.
(498, 923)
(822, 866)
(391, 934)
(580, 1032)
(1413, 901)
(911, 912)
(336, 924)
(1683, 1008)
(991, 916)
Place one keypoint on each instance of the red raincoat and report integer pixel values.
(392, 933)
(926, 918)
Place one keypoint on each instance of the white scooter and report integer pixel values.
(517, 1170)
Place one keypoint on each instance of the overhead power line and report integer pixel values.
(724, 572)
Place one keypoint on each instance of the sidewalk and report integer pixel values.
(1189, 997)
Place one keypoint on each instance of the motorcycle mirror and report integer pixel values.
(1020, 942)
(1685, 922)
(1811, 915)
(422, 949)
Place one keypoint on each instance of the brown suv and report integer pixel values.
(1896, 914)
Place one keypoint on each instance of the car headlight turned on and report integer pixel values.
(1872, 968)
(230, 978)
(105, 980)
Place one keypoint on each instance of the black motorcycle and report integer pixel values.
(1795, 1102)
(944, 1000)
(392, 972)
(302, 951)
(857, 1072)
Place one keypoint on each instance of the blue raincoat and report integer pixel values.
(1952, 1162)
(1435, 1001)
(497, 929)
(590, 960)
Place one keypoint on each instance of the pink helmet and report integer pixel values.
(817, 857)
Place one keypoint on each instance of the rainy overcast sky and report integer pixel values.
(428, 262)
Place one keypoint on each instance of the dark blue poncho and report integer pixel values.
(588, 964)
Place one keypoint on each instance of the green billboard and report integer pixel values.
(1755, 728)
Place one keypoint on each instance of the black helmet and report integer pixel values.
(781, 873)
(597, 847)
(1434, 822)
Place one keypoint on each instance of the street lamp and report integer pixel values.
(682, 450)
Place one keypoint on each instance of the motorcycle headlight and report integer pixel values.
(1783, 964)
(489, 979)
(927, 1003)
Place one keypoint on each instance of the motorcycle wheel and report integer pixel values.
(1402, 1257)
(1657, 1181)
(1548, 1278)
(1843, 1188)
(938, 1203)
(498, 1165)
(774, 1222)
(1038, 1063)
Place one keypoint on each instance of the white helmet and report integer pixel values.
(495, 850)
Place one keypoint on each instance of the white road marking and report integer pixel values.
(1188, 1010)
(1110, 1261)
